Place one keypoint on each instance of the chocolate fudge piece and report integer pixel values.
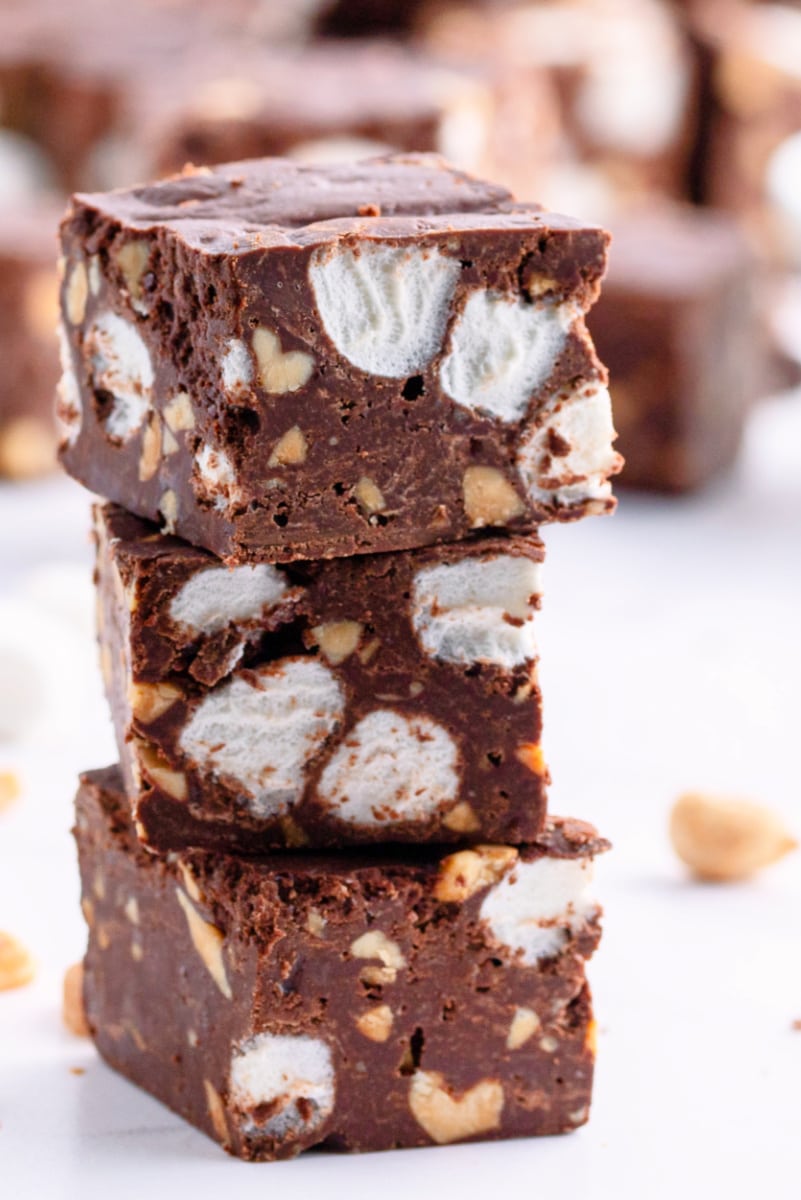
(677, 326)
(625, 78)
(390, 697)
(352, 1002)
(28, 345)
(283, 362)
(82, 79)
(324, 102)
(753, 52)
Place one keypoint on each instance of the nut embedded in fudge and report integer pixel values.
(269, 1001)
(677, 325)
(384, 697)
(282, 362)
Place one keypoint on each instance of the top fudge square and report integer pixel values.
(278, 361)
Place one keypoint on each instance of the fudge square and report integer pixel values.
(357, 1002)
(677, 326)
(383, 697)
(281, 362)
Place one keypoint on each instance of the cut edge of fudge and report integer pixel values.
(282, 362)
(391, 696)
(293, 989)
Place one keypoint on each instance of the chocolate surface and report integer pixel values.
(352, 1002)
(386, 697)
(282, 362)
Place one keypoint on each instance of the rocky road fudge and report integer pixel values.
(677, 325)
(283, 362)
(323, 102)
(354, 1002)
(385, 697)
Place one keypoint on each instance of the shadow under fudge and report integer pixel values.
(385, 697)
(281, 362)
(356, 1002)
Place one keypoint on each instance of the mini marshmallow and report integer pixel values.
(390, 769)
(280, 1070)
(583, 422)
(218, 597)
(502, 350)
(237, 366)
(262, 727)
(217, 474)
(121, 365)
(385, 308)
(536, 905)
(69, 409)
(461, 611)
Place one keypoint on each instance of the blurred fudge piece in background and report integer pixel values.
(326, 102)
(626, 84)
(28, 352)
(678, 329)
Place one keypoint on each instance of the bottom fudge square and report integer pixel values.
(387, 697)
(356, 1001)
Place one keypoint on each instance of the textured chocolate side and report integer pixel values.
(282, 362)
(354, 1002)
(389, 696)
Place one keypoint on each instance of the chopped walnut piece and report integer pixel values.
(489, 498)
(463, 874)
(150, 457)
(337, 639)
(369, 496)
(280, 372)
(290, 449)
(76, 293)
(376, 1023)
(448, 1118)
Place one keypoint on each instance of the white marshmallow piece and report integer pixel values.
(537, 905)
(69, 409)
(582, 421)
(121, 365)
(633, 91)
(385, 308)
(261, 729)
(218, 597)
(237, 366)
(217, 475)
(391, 769)
(281, 1070)
(502, 350)
(479, 610)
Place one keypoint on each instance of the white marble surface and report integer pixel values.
(671, 659)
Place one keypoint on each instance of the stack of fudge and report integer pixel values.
(329, 408)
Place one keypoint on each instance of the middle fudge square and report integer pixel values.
(284, 362)
(388, 697)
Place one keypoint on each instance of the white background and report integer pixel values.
(671, 659)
